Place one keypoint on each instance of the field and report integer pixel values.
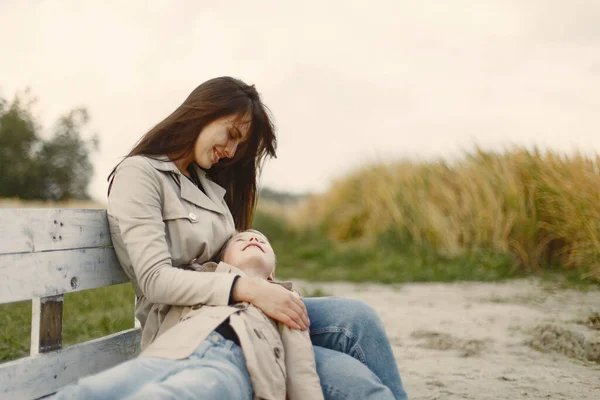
(411, 236)
(539, 210)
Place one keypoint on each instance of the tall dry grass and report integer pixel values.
(542, 207)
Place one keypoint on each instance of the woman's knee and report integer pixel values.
(361, 310)
(343, 377)
(352, 312)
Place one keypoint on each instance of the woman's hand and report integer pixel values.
(275, 301)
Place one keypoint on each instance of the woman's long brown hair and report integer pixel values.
(213, 99)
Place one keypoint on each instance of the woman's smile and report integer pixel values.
(216, 155)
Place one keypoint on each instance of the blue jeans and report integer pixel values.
(352, 352)
(215, 370)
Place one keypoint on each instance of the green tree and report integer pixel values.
(18, 144)
(33, 168)
(66, 167)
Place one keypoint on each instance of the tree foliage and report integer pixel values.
(34, 168)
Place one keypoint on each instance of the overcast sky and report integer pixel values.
(348, 82)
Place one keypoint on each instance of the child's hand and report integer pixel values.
(275, 301)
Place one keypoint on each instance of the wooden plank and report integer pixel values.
(29, 275)
(40, 375)
(46, 324)
(35, 230)
(36, 317)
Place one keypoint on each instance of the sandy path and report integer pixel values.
(475, 340)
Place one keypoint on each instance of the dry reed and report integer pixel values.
(542, 207)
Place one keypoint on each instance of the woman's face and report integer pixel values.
(219, 139)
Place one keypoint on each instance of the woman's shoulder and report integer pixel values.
(134, 161)
(142, 161)
(140, 177)
(148, 163)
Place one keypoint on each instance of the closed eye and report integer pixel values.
(239, 135)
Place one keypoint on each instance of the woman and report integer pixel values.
(178, 196)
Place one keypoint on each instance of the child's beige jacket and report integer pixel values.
(280, 360)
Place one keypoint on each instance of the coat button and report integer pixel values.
(258, 335)
(277, 352)
(193, 216)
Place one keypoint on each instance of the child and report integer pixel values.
(278, 359)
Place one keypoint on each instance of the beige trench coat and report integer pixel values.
(280, 360)
(160, 220)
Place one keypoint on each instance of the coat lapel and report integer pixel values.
(191, 193)
(214, 191)
(213, 198)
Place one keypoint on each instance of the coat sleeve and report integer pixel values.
(135, 202)
(302, 380)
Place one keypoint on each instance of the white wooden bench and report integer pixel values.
(45, 253)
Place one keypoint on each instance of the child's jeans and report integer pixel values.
(215, 370)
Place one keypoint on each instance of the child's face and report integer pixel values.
(251, 252)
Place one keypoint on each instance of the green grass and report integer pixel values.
(392, 258)
(15, 331)
(87, 315)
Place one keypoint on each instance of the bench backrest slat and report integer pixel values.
(48, 252)
(37, 230)
(28, 275)
(41, 375)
